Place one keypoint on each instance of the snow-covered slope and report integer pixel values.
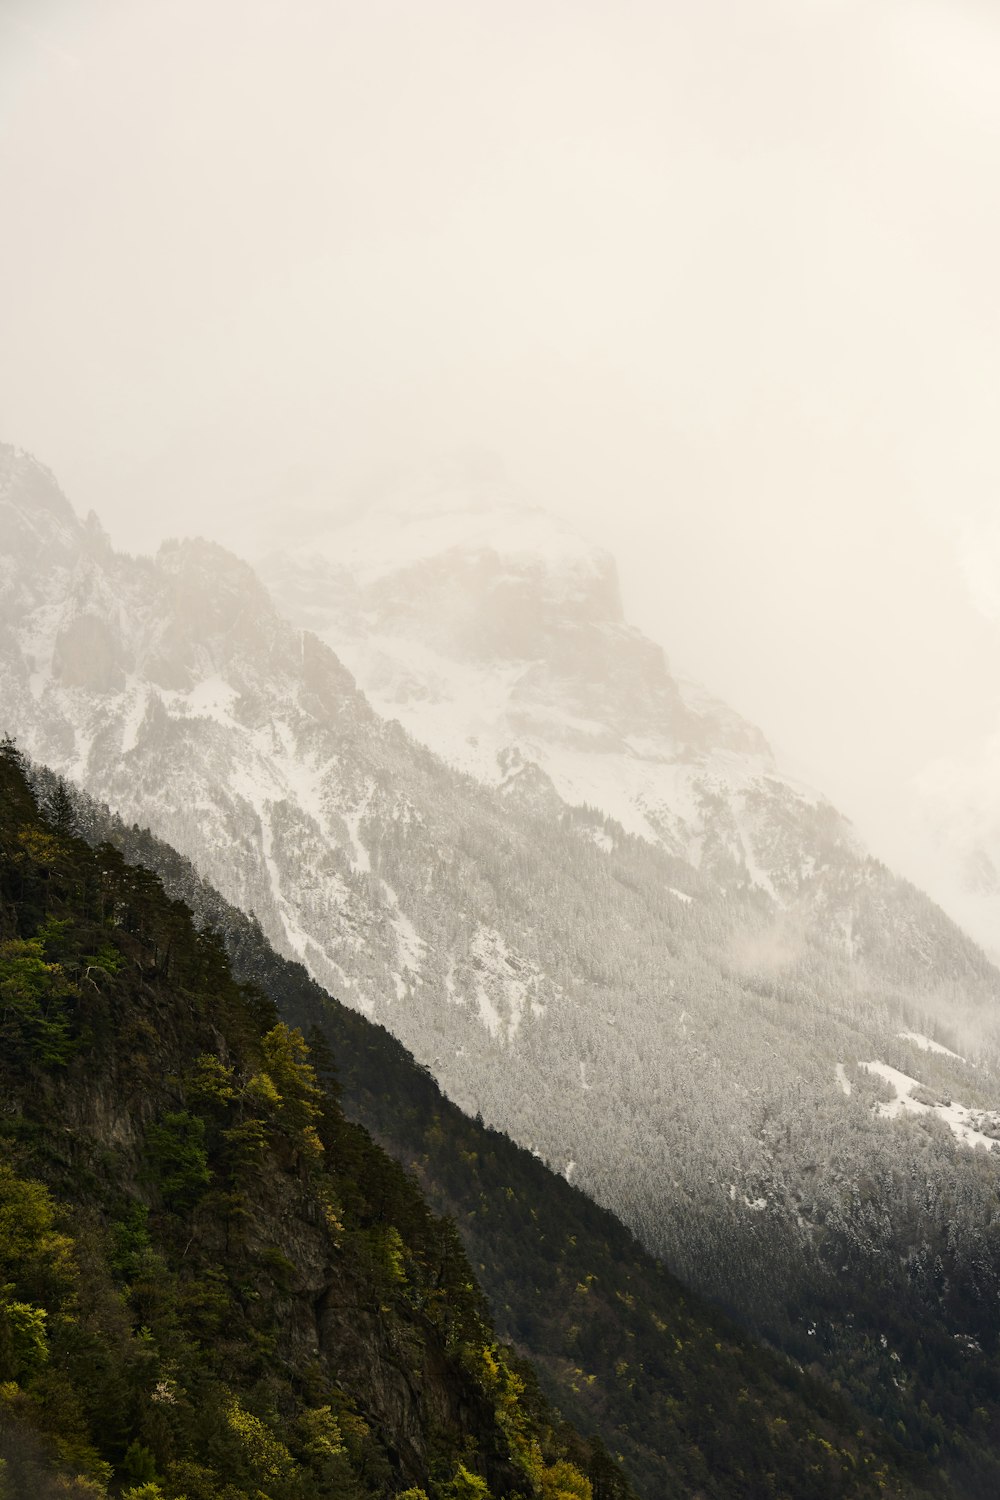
(495, 634)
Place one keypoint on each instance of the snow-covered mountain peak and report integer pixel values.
(402, 534)
(495, 633)
(457, 506)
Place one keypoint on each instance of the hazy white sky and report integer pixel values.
(718, 277)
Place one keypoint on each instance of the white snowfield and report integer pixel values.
(961, 1120)
(493, 632)
(468, 714)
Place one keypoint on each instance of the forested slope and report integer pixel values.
(213, 1285)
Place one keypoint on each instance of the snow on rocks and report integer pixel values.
(504, 984)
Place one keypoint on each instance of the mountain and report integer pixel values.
(620, 1347)
(495, 634)
(214, 1286)
(764, 1053)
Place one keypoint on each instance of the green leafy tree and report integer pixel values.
(34, 999)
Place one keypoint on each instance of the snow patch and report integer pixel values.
(502, 976)
(213, 698)
(488, 1013)
(756, 1205)
(298, 939)
(409, 944)
(135, 712)
(361, 860)
(961, 1121)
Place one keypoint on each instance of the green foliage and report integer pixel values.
(139, 1463)
(297, 1097)
(33, 1251)
(107, 960)
(321, 1443)
(175, 1148)
(34, 998)
(129, 1241)
(211, 1084)
(465, 1486)
(23, 1342)
(563, 1481)
(255, 1451)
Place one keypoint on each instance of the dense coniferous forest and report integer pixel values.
(687, 1402)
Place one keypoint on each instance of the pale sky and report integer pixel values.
(718, 278)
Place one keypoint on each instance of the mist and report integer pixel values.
(717, 282)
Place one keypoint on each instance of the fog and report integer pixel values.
(718, 280)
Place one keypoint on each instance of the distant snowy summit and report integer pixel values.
(495, 633)
(454, 508)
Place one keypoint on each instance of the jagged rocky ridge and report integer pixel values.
(682, 1040)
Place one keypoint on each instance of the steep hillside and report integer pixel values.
(618, 1343)
(621, 1347)
(213, 1286)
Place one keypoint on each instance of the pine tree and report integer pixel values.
(61, 810)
